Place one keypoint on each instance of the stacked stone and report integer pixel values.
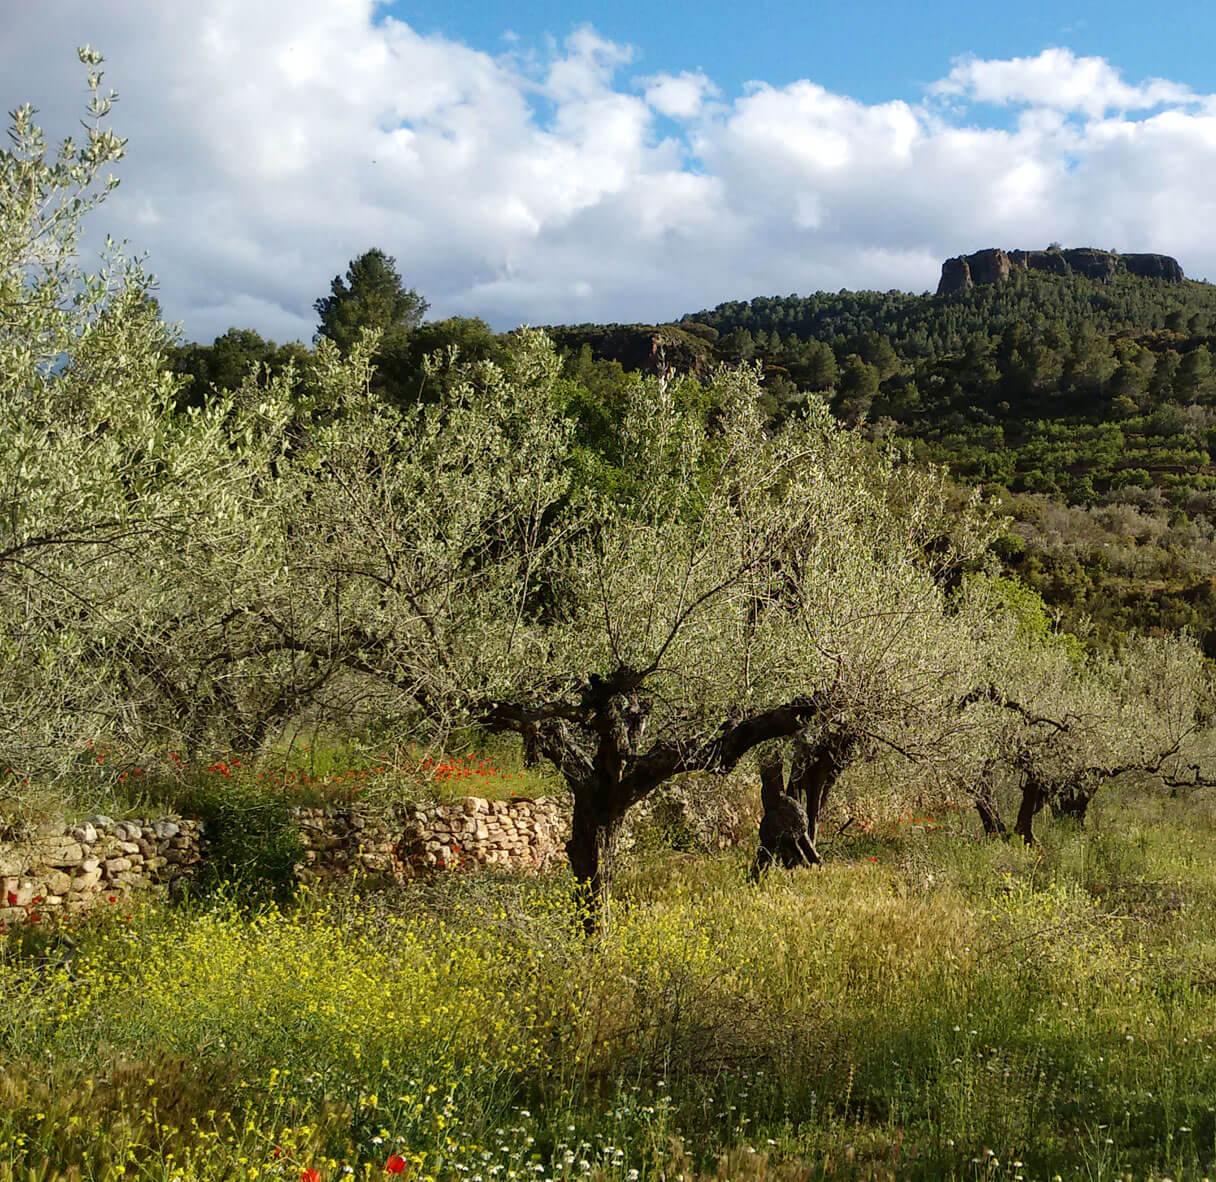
(420, 838)
(71, 866)
(337, 842)
(473, 832)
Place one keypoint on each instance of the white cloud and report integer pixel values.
(271, 143)
(1059, 80)
(678, 96)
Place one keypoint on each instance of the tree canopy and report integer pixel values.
(371, 296)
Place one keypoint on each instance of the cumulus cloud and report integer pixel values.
(1059, 80)
(679, 96)
(271, 143)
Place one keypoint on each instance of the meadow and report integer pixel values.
(926, 1005)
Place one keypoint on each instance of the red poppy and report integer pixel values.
(873, 859)
(113, 898)
(395, 1164)
(12, 898)
(310, 1175)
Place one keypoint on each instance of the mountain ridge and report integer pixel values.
(994, 265)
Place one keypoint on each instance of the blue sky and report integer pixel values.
(874, 51)
(541, 163)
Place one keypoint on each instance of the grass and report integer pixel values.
(306, 770)
(927, 1005)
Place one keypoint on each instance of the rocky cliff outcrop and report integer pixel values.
(996, 266)
(1153, 266)
(662, 348)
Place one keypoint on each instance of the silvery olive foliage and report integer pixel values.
(705, 586)
(130, 535)
(1057, 722)
(81, 438)
(717, 587)
(731, 570)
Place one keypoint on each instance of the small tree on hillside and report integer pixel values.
(374, 299)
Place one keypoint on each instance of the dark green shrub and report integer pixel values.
(250, 836)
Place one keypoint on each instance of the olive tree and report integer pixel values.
(907, 646)
(719, 588)
(137, 544)
(1062, 722)
(79, 391)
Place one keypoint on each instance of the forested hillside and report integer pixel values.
(1086, 407)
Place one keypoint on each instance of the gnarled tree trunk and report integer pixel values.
(986, 806)
(1034, 797)
(594, 829)
(990, 816)
(815, 770)
(596, 745)
(785, 836)
(789, 827)
(1072, 802)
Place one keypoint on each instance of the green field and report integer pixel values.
(928, 1005)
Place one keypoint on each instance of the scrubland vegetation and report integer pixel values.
(528, 571)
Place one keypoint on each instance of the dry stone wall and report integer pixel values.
(71, 866)
(421, 838)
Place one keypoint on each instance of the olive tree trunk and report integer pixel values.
(596, 744)
(789, 826)
(986, 806)
(1034, 797)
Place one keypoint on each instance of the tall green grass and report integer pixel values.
(927, 1005)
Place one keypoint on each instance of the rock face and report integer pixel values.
(989, 266)
(956, 276)
(996, 266)
(1052, 262)
(1153, 266)
(650, 348)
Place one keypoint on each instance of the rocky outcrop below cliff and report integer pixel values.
(651, 348)
(996, 266)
